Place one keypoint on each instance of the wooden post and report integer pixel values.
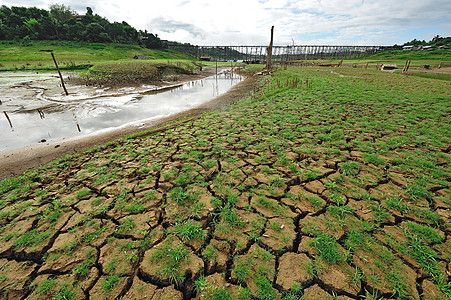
(9, 121)
(269, 51)
(61, 76)
(217, 52)
(406, 67)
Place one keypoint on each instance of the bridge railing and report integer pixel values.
(279, 53)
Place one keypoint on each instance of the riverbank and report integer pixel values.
(13, 163)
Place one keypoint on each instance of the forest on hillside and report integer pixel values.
(436, 41)
(60, 22)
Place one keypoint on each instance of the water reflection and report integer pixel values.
(32, 118)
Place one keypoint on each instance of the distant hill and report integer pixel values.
(436, 41)
(23, 24)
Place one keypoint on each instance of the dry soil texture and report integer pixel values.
(319, 185)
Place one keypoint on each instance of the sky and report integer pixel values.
(248, 22)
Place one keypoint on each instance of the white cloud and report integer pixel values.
(246, 22)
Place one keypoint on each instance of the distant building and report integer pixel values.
(409, 48)
(140, 57)
(389, 67)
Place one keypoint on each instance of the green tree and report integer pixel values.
(116, 32)
(33, 28)
(93, 32)
(151, 41)
(61, 12)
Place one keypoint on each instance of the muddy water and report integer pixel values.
(38, 112)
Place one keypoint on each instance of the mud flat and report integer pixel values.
(14, 162)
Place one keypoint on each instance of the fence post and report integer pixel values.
(61, 76)
(269, 50)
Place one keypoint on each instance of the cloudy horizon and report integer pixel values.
(248, 22)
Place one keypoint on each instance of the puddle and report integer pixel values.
(34, 110)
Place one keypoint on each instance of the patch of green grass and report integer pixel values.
(135, 207)
(373, 158)
(379, 212)
(439, 76)
(416, 191)
(182, 197)
(230, 216)
(66, 292)
(82, 193)
(211, 292)
(398, 204)
(45, 286)
(189, 230)
(265, 289)
(109, 282)
(169, 259)
(32, 238)
(242, 269)
(425, 233)
(126, 225)
(327, 247)
(84, 268)
(210, 253)
(356, 276)
(350, 167)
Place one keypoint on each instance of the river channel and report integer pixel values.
(34, 110)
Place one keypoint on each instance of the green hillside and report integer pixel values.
(72, 55)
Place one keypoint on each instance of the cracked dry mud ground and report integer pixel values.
(334, 189)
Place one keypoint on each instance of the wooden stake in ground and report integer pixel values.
(61, 76)
(9, 120)
(269, 51)
(406, 67)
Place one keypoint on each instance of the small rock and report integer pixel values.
(43, 141)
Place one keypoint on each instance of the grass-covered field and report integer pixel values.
(419, 59)
(98, 63)
(323, 183)
(431, 56)
(71, 55)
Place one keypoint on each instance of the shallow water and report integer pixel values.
(38, 112)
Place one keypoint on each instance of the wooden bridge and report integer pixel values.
(282, 53)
